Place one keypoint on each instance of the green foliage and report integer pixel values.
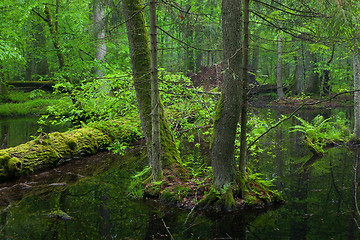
(38, 93)
(188, 109)
(136, 186)
(261, 180)
(100, 99)
(34, 107)
(118, 147)
(321, 131)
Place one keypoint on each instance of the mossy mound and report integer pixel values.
(184, 190)
(52, 149)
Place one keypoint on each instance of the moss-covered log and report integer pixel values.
(31, 85)
(54, 148)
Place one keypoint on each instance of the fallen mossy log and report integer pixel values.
(52, 149)
(28, 86)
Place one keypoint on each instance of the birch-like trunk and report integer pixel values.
(100, 47)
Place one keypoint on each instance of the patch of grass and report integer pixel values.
(20, 96)
(32, 107)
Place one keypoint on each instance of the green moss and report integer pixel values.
(170, 152)
(229, 201)
(72, 143)
(208, 199)
(218, 110)
(49, 150)
(14, 166)
(4, 157)
(217, 116)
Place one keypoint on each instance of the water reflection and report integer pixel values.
(87, 199)
(15, 131)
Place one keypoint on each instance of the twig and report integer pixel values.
(167, 229)
(187, 217)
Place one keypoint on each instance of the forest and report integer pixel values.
(179, 119)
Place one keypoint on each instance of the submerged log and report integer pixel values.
(52, 149)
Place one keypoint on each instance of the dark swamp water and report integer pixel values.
(87, 199)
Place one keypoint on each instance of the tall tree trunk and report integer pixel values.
(300, 71)
(140, 61)
(155, 116)
(100, 47)
(55, 37)
(189, 56)
(356, 134)
(36, 64)
(245, 87)
(279, 82)
(228, 109)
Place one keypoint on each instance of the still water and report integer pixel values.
(14, 131)
(87, 199)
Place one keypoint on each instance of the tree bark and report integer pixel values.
(300, 71)
(279, 82)
(155, 116)
(245, 86)
(228, 109)
(356, 134)
(140, 61)
(55, 37)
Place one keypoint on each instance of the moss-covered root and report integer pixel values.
(52, 149)
(220, 201)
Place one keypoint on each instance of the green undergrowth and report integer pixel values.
(31, 107)
(321, 132)
(184, 187)
(27, 103)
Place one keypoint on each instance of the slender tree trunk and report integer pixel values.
(155, 116)
(100, 47)
(141, 66)
(255, 58)
(55, 37)
(300, 71)
(228, 109)
(245, 86)
(356, 134)
(279, 82)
